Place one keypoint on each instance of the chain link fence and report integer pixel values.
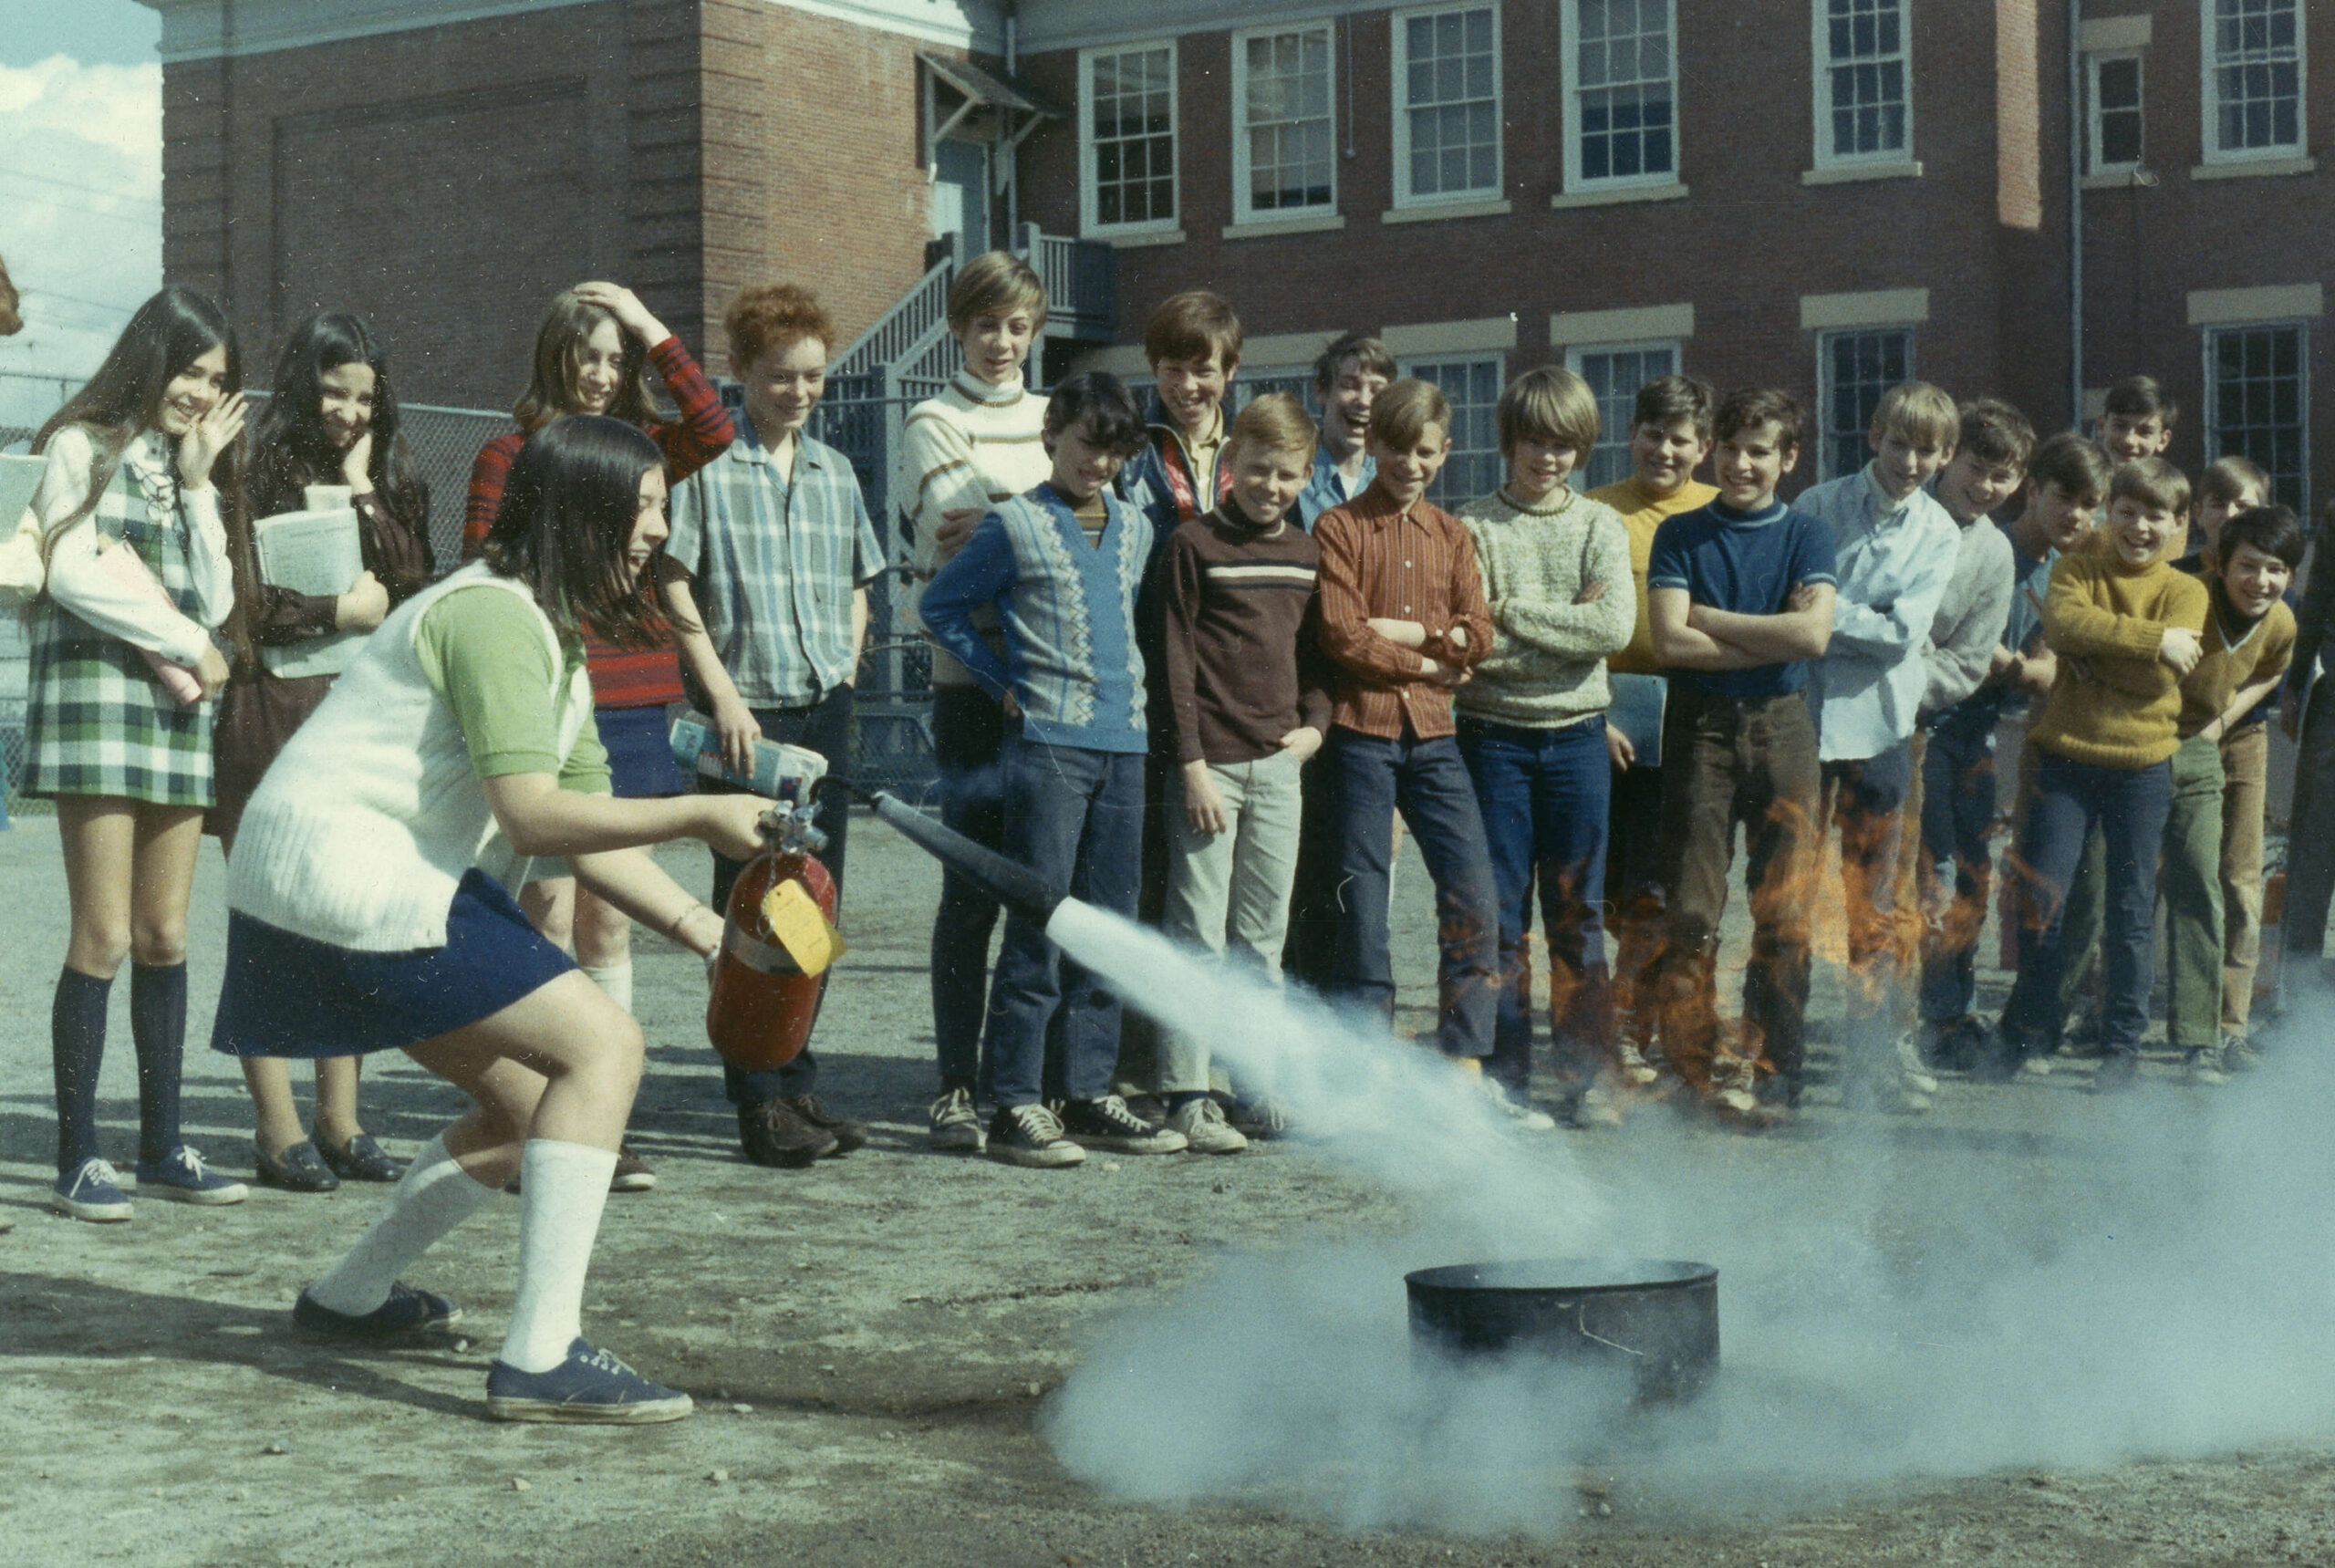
(858, 418)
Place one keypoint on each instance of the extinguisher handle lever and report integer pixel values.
(790, 831)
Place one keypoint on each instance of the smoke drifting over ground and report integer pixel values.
(2151, 1275)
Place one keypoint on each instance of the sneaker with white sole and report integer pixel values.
(2205, 1066)
(2239, 1055)
(1261, 1117)
(406, 1312)
(1204, 1128)
(956, 1124)
(182, 1177)
(1599, 1107)
(1635, 1070)
(1030, 1135)
(91, 1191)
(1108, 1124)
(590, 1387)
(1911, 1075)
(1514, 1107)
(1735, 1083)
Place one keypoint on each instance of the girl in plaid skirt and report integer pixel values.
(137, 576)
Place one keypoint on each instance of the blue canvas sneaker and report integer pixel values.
(91, 1191)
(408, 1311)
(590, 1385)
(182, 1177)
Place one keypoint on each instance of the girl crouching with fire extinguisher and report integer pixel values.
(363, 916)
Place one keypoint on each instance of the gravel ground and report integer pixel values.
(876, 1344)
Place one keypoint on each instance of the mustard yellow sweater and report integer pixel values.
(2115, 703)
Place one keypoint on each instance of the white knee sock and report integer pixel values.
(435, 1195)
(562, 1186)
(616, 979)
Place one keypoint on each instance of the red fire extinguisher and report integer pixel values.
(763, 1002)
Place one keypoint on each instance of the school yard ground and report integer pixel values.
(872, 1343)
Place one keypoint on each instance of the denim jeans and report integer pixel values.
(2129, 805)
(2192, 897)
(1958, 807)
(1309, 951)
(1228, 893)
(823, 727)
(1075, 817)
(1543, 795)
(1427, 781)
(1726, 760)
(1635, 902)
(1865, 797)
(967, 730)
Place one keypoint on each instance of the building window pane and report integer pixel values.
(1451, 102)
(1624, 100)
(1473, 387)
(1615, 375)
(1131, 122)
(2256, 75)
(2116, 112)
(1856, 368)
(1864, 69)
(1286, 106)
(2259, 406)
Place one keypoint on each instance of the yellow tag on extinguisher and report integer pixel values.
(798, 924)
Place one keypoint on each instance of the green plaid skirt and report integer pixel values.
(97, 722)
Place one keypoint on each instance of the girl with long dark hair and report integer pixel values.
(141, 476)
(333, 420)
(364, 916)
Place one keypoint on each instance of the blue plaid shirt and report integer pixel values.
(772, 565)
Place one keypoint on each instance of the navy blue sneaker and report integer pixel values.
(590, 1385)
(90, 1192)
(408, 1311)
(182, 1177)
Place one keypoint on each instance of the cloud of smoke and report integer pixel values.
(1900, 1301)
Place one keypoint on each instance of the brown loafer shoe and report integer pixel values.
(773, 1133)
(849, 1135)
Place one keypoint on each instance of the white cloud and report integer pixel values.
(80, 215)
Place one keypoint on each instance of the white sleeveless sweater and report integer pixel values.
(368, 817)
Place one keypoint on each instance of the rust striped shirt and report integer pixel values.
(1386, 562)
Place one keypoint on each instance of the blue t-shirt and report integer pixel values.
(1747, 563)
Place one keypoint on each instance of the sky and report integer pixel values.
(80, 184)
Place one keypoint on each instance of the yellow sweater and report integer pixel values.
(2116, 702)
(1641, 514)
(2236, 656)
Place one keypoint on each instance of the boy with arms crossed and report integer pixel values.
(1670, 435)
(1894, 550)
(2127, 628)
(1740, 594)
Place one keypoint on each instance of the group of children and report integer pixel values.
(1258, 631)
(1192, 665)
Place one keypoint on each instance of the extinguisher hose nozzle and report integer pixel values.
(1015, 885)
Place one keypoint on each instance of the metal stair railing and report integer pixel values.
(923, 307)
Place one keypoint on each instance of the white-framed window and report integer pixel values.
(2258, 402)
(1852, 371)
(2254, 62)
(1285, 147)
(1249, 386)
(2115, 112)
(1863, 80)
(1127, 138)
(1472, 382)
(1614, 372)
(1621, 87)
(1447, 105)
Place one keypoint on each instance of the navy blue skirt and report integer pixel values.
(640, 754)
(286, 995)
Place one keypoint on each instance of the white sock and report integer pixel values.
(616, 979)
(562, 1186)
(435, 1195)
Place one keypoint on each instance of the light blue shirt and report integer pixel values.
(1893, 559)
(1327, 488)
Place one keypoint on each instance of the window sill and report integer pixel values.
(2254, 168)
(1436, 211)
(1265, 228)
(1851, 173)
(1136, 239)
(1607, 196)
(2133, 179)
